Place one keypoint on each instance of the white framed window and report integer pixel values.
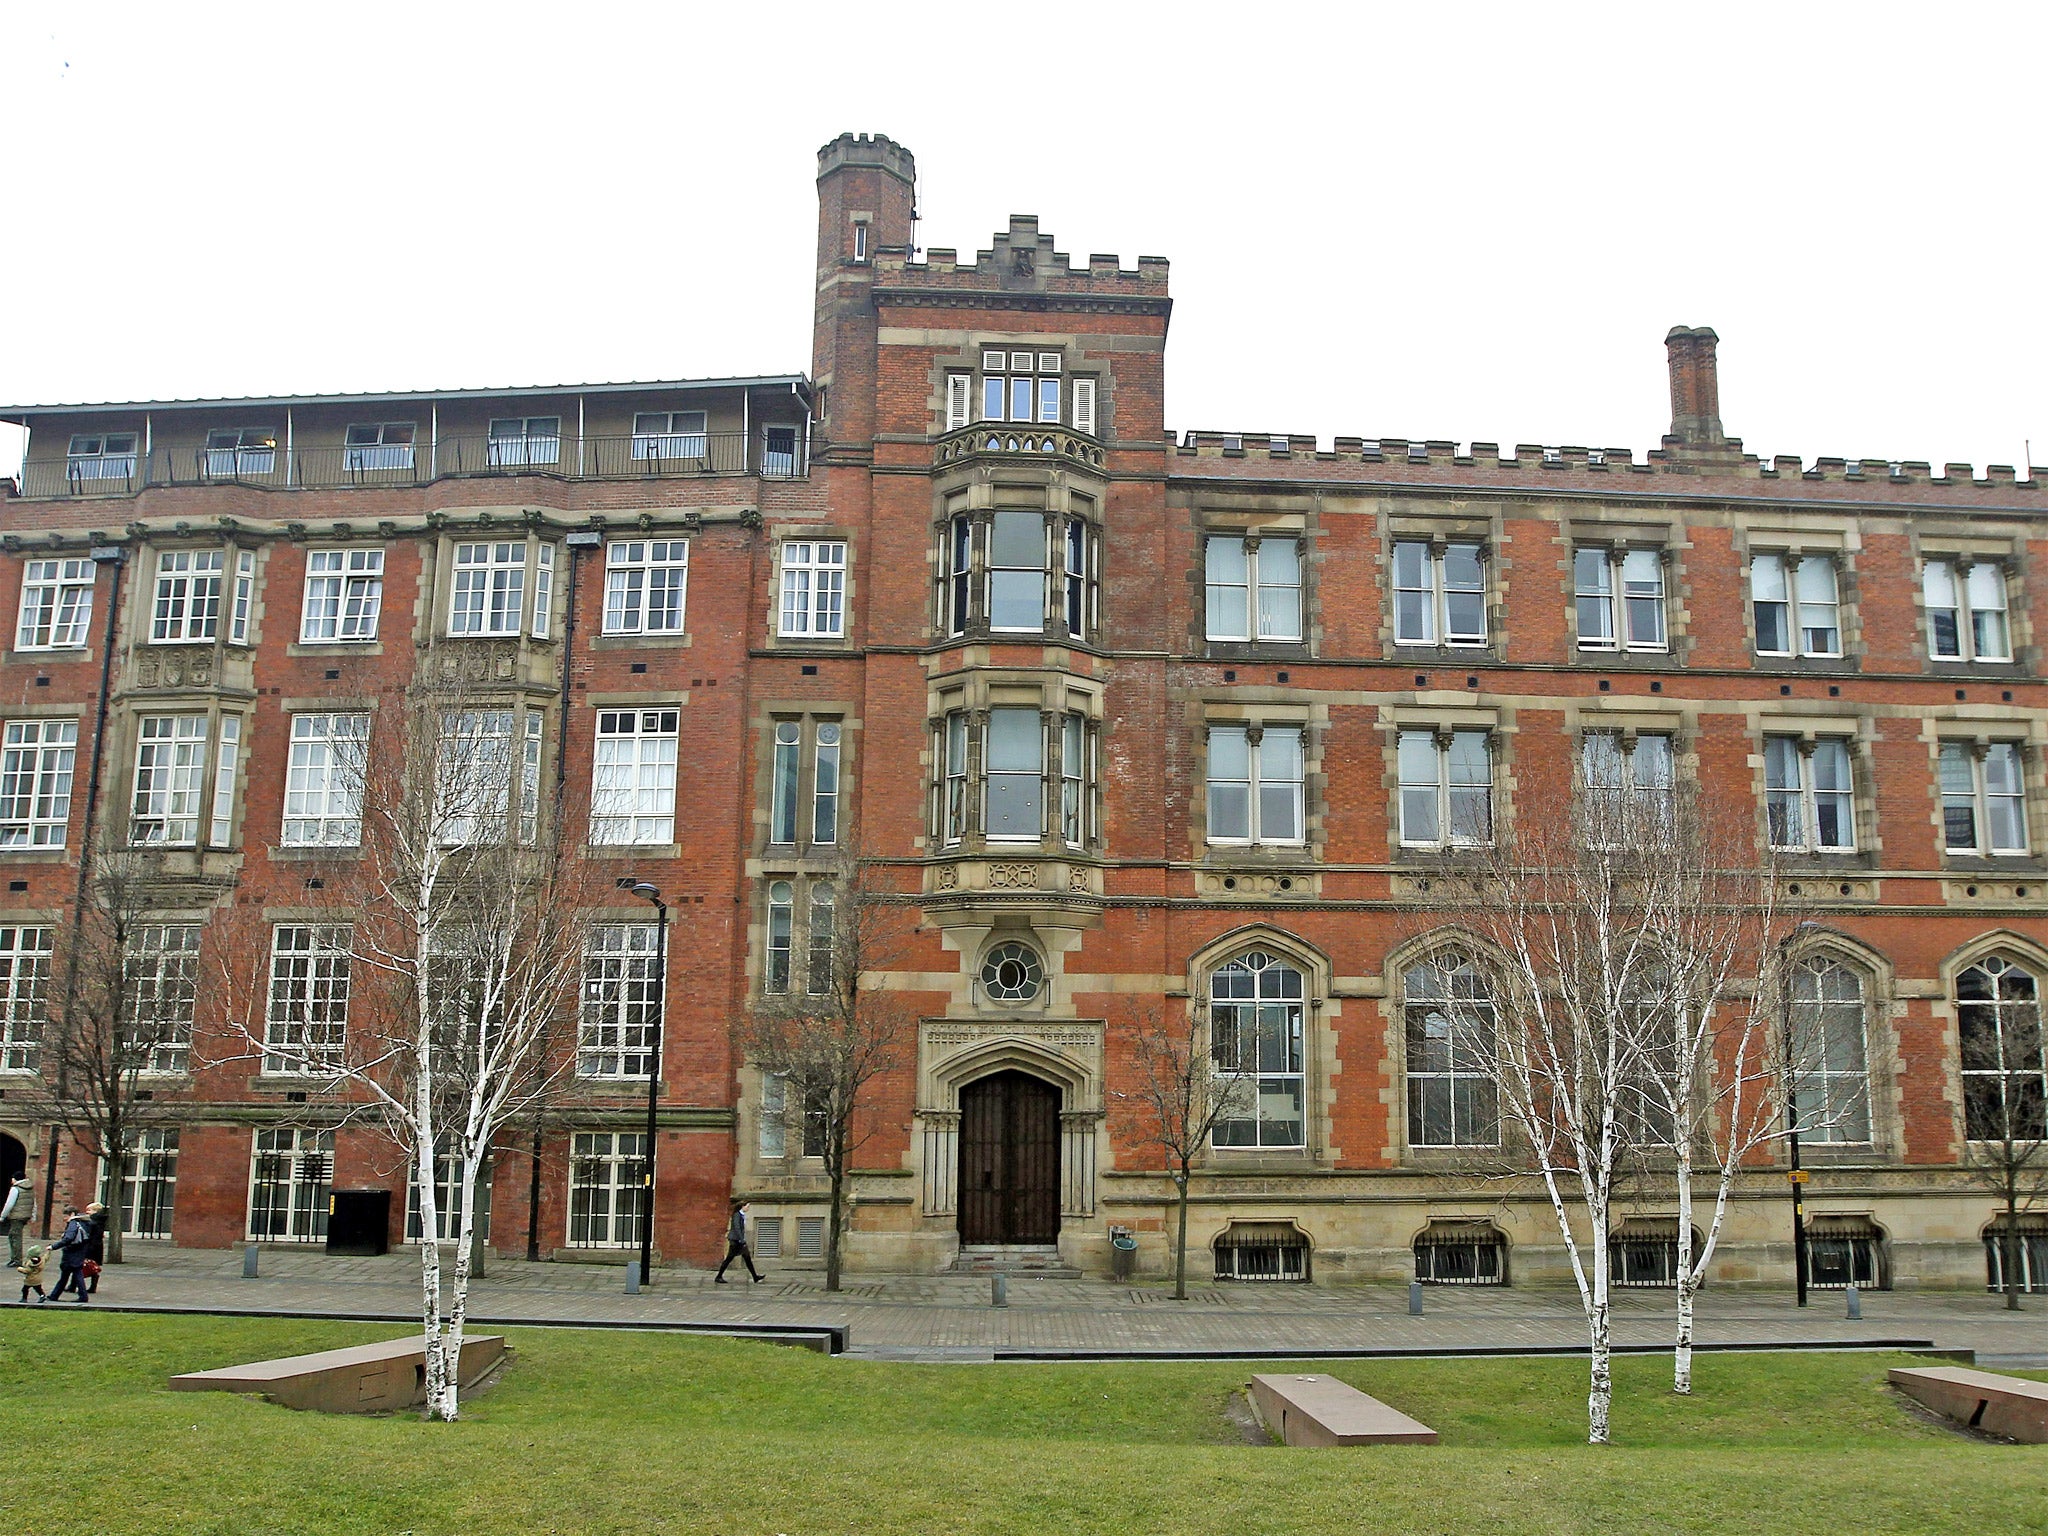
(1254, 587)
(323, 780)
(489, 591)
(1983, 798)
(2005, 1073)
(860, 240)
(244, 604)
(1020, 386)
(56, 605)
(149, 1183)
(825, 784)
(1966, 611)
(517, 441)
(781, 934)
(1016, 572)
(291, 1174)
(101, 456)
(1015, 772)
(162, 972)
(953, 791)
(771, 1138)
(170, 776)
(959, 398)
(621, 1014)
(813, 589)
(344, 595)
(1810, 794)
(778, 1118)
(306, 1024)
(1084, 406)
(1255, 784)
(543, 589)
(1255, 1035)
(609, 1182)
(235, 451)
(26, 955)
(1619, 598)
(1629, 783)
(484, 753)
(1452, 1050)
(378, 445)
(1439, 593)
(188, 583)
(1446, 788)
(633, 798)
(1795, 605)
(1077, 747)
(659, 435)
(1830, 1065)
(645, 582)
(220, 831)
(823, 909)
(784, 772)
(37, 760)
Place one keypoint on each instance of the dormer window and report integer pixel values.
(101, 456)
(232, 451)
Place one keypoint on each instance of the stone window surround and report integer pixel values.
(1319, 1063)
(772, 637)
(1438, 530)
(1041, 489)
(2001, 942)
(1052, 695)
(1858, 732)
(1443, 719)
(1083, 356)
(1839, 543)
(809, 713)
(1978, 733)
(1302, 527)
(125, 743)
(1619, 534)
(2008, 554)
(1312, 718)
(438, 578)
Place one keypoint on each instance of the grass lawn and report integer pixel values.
(626, 1432)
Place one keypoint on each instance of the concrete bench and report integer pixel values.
(1998, 1405)
(369, 1378)
(1321, 1410)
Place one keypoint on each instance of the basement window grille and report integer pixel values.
(1262, 1250)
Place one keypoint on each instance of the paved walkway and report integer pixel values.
(948, 1317)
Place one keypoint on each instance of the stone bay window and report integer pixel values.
(1016, 772)
(1020, 571)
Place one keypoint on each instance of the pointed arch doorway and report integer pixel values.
(1009, 1160)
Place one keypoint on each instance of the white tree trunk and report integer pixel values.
(430, 1270)
(1599, 1329)
(458, 1298)
(1686, 1279)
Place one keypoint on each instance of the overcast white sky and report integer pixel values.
(1403, 221)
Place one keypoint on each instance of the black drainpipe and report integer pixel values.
(117, 557)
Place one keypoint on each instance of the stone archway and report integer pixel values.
(1009, 1176)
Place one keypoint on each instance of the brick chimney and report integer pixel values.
(1695, 387)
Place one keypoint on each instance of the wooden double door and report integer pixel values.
(1010, 1160)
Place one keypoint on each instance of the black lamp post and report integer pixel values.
(651, 893)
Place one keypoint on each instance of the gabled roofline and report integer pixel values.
(797, 383)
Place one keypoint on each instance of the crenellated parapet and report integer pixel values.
(1022, 263)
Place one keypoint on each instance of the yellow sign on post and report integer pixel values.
(1799, 1176)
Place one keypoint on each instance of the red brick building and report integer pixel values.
(1145, 723)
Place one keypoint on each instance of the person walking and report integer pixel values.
(16, 1212)
(738, 1244)
(95, 1246)
(31, 1271)
(71, 1248)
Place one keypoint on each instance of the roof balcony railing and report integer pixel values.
(774, 453)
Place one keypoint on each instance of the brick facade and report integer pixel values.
(1131, 902)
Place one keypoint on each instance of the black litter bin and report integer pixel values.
(1123, 1254)
(359, 1221)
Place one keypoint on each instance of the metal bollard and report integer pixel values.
(1415, 1298)
(1855, 1305)
(249, 1261)
(632, 1277)
(999, 1290)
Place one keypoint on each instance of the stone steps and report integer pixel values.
(1039, 1260)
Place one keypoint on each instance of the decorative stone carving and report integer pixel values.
(1077, 880)
(947, 878)
(1012, 877)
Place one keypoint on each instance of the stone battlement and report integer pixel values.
(1873, 475)
(1022, 260)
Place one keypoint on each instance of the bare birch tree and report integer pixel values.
(1565, 961)
(829, 1030)
(463, 944)
(2005, 1112)
(1183, 1088)
(124, 1019)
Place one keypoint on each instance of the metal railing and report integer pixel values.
(641, 456)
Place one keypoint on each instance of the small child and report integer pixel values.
(31, 1271)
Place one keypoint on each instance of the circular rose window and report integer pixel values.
(1011, 973)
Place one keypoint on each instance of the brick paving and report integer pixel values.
(948, 1317)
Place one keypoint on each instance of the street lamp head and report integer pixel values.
(647, 892)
